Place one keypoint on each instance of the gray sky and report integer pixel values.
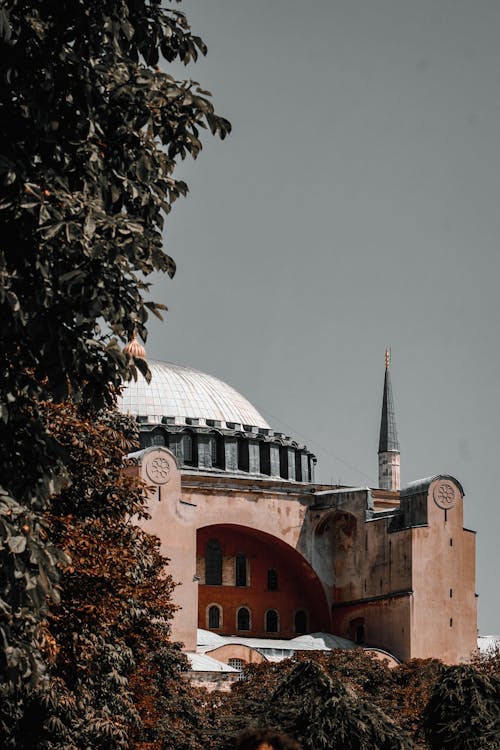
(354, 206)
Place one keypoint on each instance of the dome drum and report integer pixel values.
(232, 451)
(209, 426)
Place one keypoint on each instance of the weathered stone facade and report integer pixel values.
(262, 550)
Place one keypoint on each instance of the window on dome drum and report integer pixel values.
(243, 458)
(284, 462)
(213, 563)
(240, 570)
(300, 621)
(159, 438)
(243, 619)
(217, 451)
(272, 621)
(189, 449)
(214, 617)
(265, 458)
(298, 466)
(272, 579)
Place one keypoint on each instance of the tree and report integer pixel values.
(462, 712)
(313, 699)
(90, 132)
(113, 676)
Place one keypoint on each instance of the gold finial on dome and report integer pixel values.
(134, 348)
(387, 358)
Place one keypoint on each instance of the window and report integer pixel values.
(265, 458)
(243, 457)
(243, 619)
(272, 621)
(238, 664)
(187, 448)
(300, 621)
(213, 563)
(241, 570)
(272, 579)
(158, 439)
(284, 462)
(213, 451)
(298, 466)
(214, 617)
(217, 451)
(359, 634)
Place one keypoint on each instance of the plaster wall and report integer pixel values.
(387, 623)
(298, 588)
(236, 651)
(444, 614)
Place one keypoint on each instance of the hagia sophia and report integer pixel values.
(269, 561)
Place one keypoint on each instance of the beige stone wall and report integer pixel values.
(444, 615)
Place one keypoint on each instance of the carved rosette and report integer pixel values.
(445, 494)
(158, 469)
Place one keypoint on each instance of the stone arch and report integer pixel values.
(334, 541)
(299, 587)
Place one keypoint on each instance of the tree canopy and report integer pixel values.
(91, 128)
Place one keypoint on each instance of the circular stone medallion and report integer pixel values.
(158, 469)
(445, 494)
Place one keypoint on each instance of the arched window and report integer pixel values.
(217, 451)
(298, 466)
(243, 456)
(284, 462)
(272, 621)
(187, 448)
(265, 458)
(272, 579)
(356, 631)
(240, 570)
(243, 619)
(158, 438)
(300, 621)
(213, 563)
(214, 617)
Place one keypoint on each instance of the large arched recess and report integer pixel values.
(298, 586)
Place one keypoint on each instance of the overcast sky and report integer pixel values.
(356, 205)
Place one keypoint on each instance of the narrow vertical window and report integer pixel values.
(272, 621)
(214, 617)
(187, 448)
(243, 619)
(241, 570)
(272, 579)
(451, 593)
(213, 563)
(300, 621)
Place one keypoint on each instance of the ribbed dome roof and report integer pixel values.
(182, 392)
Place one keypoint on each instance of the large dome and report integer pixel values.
(184, 393)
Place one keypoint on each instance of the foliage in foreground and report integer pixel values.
(114, 678)
(349, 699)
(463, 712)
(91, 129)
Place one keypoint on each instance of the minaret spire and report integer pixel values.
(388, 447)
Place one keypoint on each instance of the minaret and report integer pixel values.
(388, 447)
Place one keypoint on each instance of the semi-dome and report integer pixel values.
(183, 393)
